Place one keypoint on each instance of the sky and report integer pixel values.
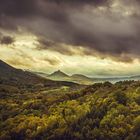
(91, 37)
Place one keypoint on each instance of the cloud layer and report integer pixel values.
(108, 28)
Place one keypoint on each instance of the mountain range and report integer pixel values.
(18, 79)
(61, 76)
(82, 79)
(22, 78)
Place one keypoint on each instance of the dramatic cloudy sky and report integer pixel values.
(92, 37)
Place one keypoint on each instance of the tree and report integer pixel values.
(137, 125)
(121, 97)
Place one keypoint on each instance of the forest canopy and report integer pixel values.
(103, 111)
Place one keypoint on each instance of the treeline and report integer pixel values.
(103, 111)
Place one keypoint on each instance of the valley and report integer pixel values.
(36, 108)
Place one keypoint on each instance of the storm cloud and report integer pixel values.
(107, 27)
(6, 40)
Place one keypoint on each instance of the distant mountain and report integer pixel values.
(76, 78)
(11, 76)
(79, 78)
(58, 74)
(136, 77)
(82, 79)
(9, 73)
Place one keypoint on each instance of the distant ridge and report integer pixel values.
(82, 79)
(21, 78)
(80, 76)
(8, 72)
(58, 73)
(76, 78)
(5, 66)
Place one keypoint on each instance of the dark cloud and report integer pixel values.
(17, 8)
(45, 44)
(80, 2)
(50, 8)
(7, 40)
(93, 24)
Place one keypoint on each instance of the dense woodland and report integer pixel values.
(103, 111)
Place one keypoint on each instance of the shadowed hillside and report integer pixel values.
(18, 79)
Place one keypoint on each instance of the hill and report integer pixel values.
(79, 78)
(21, 79)
(85, 80)
(58, 74)
(76, 78)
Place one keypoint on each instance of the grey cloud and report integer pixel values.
(6, 40)
(45, 44)
(78, 22)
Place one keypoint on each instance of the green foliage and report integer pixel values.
(99, 112)
(137, 99)
(121, 97)
(137, 125)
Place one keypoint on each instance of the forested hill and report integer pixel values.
(99, 112)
